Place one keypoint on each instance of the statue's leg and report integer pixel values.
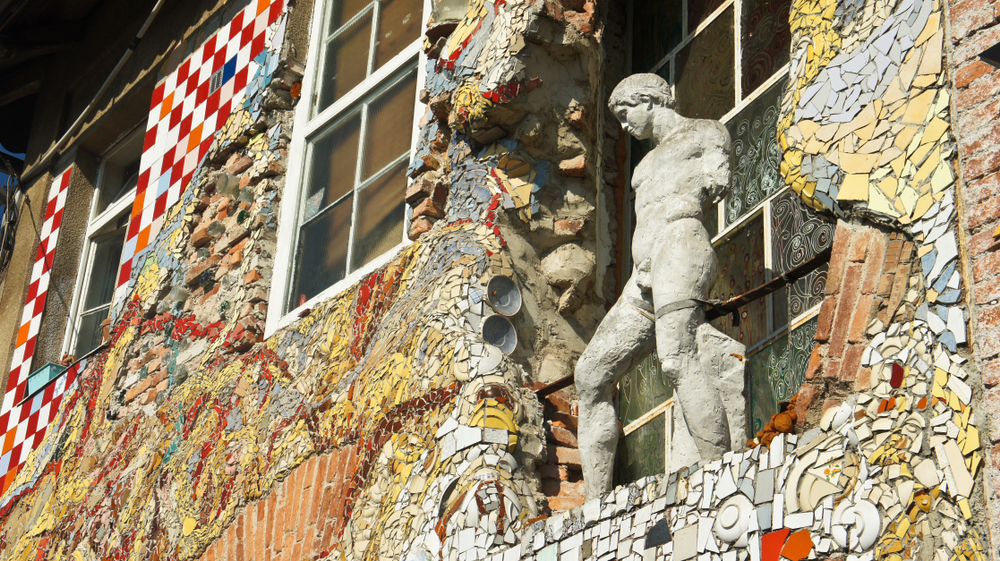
(677, 348)
(625, 337)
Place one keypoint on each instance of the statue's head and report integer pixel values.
(636, 98)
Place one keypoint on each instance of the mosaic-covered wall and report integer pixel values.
(189, 420)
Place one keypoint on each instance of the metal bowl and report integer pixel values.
(503, 295)
(499, 332)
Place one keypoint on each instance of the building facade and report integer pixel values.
(307, 279)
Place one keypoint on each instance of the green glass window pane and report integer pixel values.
(381, 212)
(655, 32)
(741, 268)
(345, 62)
(777, 371)
(321, 259)
(642, 453)
(755, 155)
(642, 389)
(334, 165)
(705, 71)
(766, 40)
(798, 234)
(700, 10)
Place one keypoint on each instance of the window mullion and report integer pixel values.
(347, 25)
(738, 48)
(358, 170)
(376, 16)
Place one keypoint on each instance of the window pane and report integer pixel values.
(797, 235)
(643, 452)
(345, 62)
(107, 254)
(381, 212)
(741, 267)
(398, 26)
(766, 37)
(699, 10)
(705, 71)
(755, 155)
(334, 165)
(116, 182)
(343, 11)
(390, 122)
(89, 336)
(656, 31)
(642, 389)
(321, 260)
(777, 371)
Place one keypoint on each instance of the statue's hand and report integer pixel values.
(643, 276)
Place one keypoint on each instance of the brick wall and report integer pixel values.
(866, 287)
(300, 519)
(976, 95)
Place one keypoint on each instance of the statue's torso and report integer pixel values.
(671, 184)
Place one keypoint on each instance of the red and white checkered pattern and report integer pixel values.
(34, 417)
(184, 117)
(14, 420)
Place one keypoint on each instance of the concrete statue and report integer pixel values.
(663, 304)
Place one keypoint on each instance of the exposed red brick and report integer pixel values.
(838, 259)
(562, 436)
(987, 291)
(991, 402)
(193, 274)
(986, 266)
(419, 226)
(862, 317)
(832, 368)
(569, 457)
(859, 245)
(970, 72)
(851, 363)
(991, 373)
(428, 207)
(873, 265)
(568, 227)
(826, 313)
(238, 164)
(562, 504)
(815, 363)
(564, 420)
(845, 310)
(252, 277)
(574, 167)
(863, 381)
(803, 401)
(885, 285)
(899, 287)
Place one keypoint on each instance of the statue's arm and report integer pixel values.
(716, 163)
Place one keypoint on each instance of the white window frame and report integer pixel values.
(309, 124)
(98, 221)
